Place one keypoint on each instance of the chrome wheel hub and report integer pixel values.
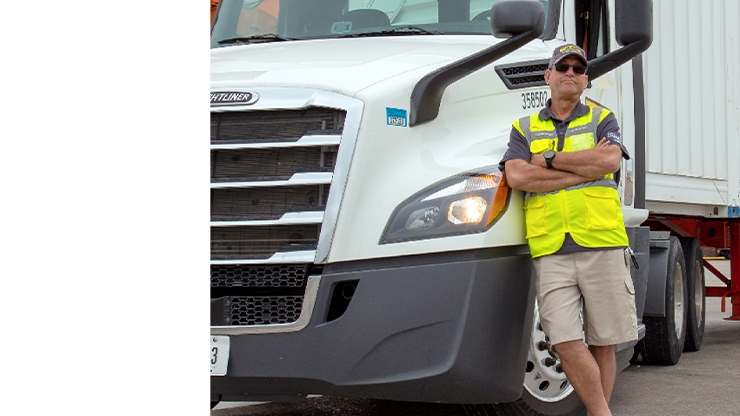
(544, 378)
(678, 300)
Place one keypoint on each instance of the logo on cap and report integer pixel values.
(571, 48)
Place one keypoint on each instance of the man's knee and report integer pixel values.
(601, 350)
(569, 348)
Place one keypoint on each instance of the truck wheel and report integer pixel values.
(665, 336)
(546, 389)
(696, 314)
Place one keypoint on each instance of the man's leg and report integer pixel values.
(584, 374)
(607, 361)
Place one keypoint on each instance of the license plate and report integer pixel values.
(219, 355)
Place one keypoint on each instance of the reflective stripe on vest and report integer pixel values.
(590, 212)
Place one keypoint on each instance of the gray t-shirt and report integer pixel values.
(519, 149)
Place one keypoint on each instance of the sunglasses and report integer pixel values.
(578, 69)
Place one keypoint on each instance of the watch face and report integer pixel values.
(549, 154)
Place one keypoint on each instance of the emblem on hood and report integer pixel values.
(234, 98)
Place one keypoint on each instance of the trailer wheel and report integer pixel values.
(546, 391)
(665, 336)
(696, 314)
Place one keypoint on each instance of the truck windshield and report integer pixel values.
(257, 21)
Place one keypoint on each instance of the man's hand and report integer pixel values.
(539, 160)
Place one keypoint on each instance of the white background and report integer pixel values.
(104, 220)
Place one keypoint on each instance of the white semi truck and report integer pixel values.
(366, 244)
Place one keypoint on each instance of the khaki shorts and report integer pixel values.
(602, 280)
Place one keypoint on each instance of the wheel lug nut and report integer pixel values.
(549, 362)
(542, 345)
(559, 368)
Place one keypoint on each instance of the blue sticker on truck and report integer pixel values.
(396, 117)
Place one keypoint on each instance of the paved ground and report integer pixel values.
(706, 382)
(703, 383)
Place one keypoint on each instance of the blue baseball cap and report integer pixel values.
(566, 50)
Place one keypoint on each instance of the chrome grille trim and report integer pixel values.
(305, 141)
(310, 217)
(309, 178)
(306, 256)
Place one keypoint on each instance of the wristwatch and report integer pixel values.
(549, 156)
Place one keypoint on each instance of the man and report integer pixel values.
(564, 158)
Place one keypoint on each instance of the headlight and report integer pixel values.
(467, 203)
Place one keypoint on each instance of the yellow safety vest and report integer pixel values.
(591, 212)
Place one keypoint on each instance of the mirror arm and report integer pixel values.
(427, 94)
(603, 64)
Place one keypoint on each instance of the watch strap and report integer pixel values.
(548, 160)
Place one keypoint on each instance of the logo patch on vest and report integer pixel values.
(614, 137)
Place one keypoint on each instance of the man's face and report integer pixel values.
(566, 84)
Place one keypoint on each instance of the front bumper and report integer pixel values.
(450, 327)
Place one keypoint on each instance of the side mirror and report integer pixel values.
(634, 31)
(634, 20)
(513, 17)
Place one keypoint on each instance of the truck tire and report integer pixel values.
(547, 392)
(696, 314)
(665, 336)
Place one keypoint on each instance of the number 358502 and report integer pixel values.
(534, 99)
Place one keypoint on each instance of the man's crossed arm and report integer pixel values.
(571, 168)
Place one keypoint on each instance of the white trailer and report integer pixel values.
(364, 241)
(692, 83)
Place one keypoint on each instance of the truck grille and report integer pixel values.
(271, 177)
(256, 180)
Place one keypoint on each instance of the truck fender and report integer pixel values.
(655, 296)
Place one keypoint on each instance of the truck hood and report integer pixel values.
(346, 66)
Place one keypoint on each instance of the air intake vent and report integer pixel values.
(265, 310)
(523, 74)
(268, 276)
